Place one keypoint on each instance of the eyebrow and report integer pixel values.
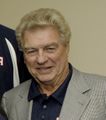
(47, 45)
(52, 44)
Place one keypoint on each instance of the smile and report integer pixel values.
(44, 69)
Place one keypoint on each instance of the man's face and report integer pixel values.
(45, 56)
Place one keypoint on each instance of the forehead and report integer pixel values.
(41, 36)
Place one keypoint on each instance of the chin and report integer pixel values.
(45, 81)
(46, 77)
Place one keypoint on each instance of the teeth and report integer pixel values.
(45, 68)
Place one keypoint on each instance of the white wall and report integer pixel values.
(87, 19)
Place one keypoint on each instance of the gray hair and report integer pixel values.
(44, 17)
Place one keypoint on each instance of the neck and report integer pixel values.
(51, 86)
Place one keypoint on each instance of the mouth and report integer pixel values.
(44, 69)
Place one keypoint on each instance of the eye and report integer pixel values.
(51, 49)
(30, 51)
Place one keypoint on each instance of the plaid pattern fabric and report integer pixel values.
(85, 98)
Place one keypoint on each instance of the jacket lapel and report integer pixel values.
(23, 106)
(75, 101)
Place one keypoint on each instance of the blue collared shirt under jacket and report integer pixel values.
(2, 118)
(44, 107)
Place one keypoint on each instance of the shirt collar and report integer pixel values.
(33, 90)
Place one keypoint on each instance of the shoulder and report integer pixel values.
(92, 85)
(19, 90)
(92, 80)
(7, 32)
(4, 30)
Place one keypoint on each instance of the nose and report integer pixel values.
(41, 57)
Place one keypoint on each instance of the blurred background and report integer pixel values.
(87, 19)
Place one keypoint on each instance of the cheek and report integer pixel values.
(61, 61)
(28, 61)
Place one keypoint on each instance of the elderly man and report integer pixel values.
(57, 90)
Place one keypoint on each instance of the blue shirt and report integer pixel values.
(2, 118)
(44, 107)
